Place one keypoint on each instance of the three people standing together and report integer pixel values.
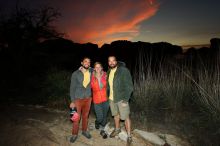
(113, 89)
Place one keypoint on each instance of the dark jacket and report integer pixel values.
(122, 83)
(77, 90)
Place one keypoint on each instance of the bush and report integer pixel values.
(55, 88)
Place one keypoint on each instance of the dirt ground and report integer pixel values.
(39, 126)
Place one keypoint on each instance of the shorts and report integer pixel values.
(120, 108)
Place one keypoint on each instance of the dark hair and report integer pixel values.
(85, 58)
(113, 56)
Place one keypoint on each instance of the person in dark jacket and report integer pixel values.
(120, 88)
(80, 93)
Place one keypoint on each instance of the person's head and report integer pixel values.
(86, 62)
(98, 67)
(112, 61)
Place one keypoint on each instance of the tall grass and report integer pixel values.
(208, 100)
(160, 90)
(176, 93)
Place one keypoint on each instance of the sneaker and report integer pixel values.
(73, 138)
(115, 132)
(96, 125)
(103, 134)
(86, 134)
(129, 141)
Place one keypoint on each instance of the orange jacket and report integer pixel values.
(99, 94)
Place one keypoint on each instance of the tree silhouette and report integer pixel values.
(20, 33)
(27, 24)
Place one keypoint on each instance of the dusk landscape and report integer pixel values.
(171, 48)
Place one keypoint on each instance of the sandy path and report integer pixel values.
(39, 126)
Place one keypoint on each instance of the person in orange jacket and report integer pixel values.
(99, 95)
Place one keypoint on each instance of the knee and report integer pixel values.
(100, 116)
(128, 120)
(117, 116)
(85, 116)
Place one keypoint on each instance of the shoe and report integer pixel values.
(86, 134)
(73, 138)
(114, 133)
(96, 125)
(103, 134)
(129, 141)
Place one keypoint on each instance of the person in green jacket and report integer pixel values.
(80, 94)
(119, 89)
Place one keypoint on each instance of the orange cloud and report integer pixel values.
(103, 21)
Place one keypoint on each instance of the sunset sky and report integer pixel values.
(180, 22)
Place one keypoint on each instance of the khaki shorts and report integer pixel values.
(119, 108)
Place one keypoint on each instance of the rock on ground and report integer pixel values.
(39, 126)
(160, 139)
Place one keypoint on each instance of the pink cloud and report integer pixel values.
(102, 21)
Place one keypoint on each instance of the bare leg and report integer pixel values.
(128, 126)
(117, 130)
(117, 121)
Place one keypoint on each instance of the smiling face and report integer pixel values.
(86, 63)
(112, 62)
(98, 68)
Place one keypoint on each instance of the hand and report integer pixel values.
(72, 105)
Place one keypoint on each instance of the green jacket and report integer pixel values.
(122, 84)
(77, 90)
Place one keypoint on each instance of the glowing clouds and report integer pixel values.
(102, 21)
